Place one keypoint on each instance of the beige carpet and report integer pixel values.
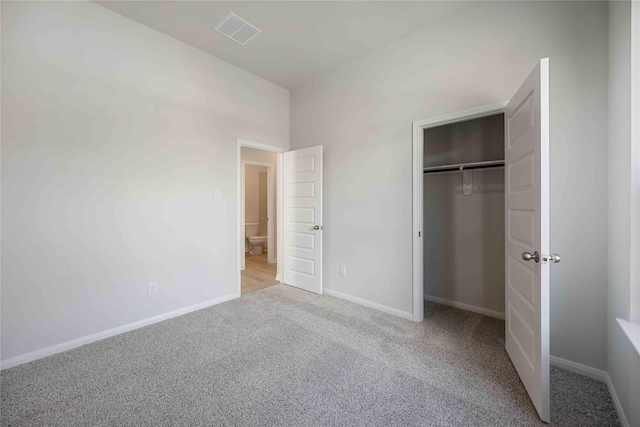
(285, 357)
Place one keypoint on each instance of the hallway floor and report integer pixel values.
(258, 273)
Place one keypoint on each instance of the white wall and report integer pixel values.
(464, 239)
(252, 193)
(262, 203)
(363, 112)
(624, 164)
(114, 137)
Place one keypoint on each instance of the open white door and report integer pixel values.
(527, 234)
(302, 217)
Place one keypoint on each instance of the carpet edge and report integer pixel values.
(88, 339)
(369, 304)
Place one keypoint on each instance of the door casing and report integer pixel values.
(418, 196)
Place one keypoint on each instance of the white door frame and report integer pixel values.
(270, 255)
(418, 195)
(239, 196)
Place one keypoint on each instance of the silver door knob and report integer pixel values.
(555, 258)
(528, 257)
(317, 227)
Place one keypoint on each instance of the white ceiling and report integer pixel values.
(300, 40)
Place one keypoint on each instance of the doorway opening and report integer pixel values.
(463, 196)
(260, 262)
(258, 216)
(448, 161)
(294, 227)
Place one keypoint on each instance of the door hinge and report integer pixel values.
(419, 233)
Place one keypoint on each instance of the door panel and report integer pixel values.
(527, 230)
(302, 212)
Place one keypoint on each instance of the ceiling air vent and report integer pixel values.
(237, 29)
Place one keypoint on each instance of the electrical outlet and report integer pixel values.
(153, 288)
(343, 270)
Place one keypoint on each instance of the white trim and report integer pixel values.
(634, 294)
(578, 368)
(418, 215)
(596, 374)
(467, 307)
(616, 402)
(239, 240)
(58, 348)
(418, 202)
(280, 207)
(632, 331)
(260, 146)
(463, 116)
(374, 305)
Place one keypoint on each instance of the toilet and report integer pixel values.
(256, 243)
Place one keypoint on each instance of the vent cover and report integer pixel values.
(237, 29)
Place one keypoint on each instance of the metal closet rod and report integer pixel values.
(465, 166)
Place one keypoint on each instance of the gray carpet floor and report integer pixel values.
(285, 357)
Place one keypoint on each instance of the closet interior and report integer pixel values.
(464, 225)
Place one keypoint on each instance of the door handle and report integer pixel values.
(528, 257)
(318, 227)
(554, 258)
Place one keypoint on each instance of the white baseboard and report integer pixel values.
(58, 348)
(597, 374)
(616, 402)
(278, 278)
(374, 305)
(467, 307)
(578, 368)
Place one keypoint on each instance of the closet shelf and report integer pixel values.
(465, 166)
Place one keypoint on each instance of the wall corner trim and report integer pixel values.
(597, 374)
(370, 304)
(78, 342)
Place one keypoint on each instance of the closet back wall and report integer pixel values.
(464, 239)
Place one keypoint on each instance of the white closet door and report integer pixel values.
(527, 234)
(303, 218)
